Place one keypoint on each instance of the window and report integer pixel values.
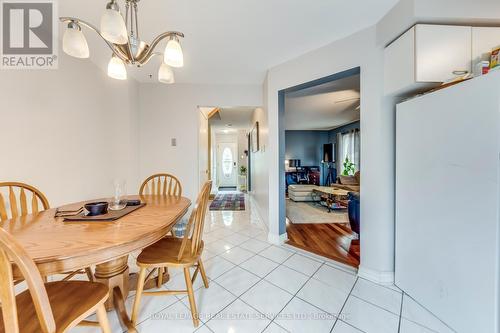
(349, 147)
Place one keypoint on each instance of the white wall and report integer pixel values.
(171, 111)
(69, 131)
(456, 11)
(242, 146)
(406, 13)
(260, 167)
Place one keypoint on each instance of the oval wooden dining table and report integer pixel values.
(58, 247)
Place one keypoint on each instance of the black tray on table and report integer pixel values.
(111, 215)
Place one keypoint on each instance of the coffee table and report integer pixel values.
(332, 196)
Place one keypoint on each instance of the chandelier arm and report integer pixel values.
(91, 27)
(150, 56)
(164, 35)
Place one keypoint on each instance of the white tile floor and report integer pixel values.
(259, 287)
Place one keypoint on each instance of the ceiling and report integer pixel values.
(234, 41)
(325, 106)
(228, 120)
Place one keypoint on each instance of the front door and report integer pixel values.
(226, 164)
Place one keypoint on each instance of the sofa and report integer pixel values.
(349, 183)
(354, 211)
(301, 193)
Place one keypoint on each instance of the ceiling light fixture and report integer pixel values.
(122, 37)
(116, 69)
(165, 74)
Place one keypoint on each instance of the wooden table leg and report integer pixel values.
(115, 275)
(119, 303)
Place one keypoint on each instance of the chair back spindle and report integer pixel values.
(9, 248)
(17, 199)
(161, 184)
(194, 228)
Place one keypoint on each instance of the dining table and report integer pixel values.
(57, 246)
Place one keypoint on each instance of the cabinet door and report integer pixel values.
(399, 63)
(483, 41)
(442, 52)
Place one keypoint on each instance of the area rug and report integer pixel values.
(313, 213)
(228, 201)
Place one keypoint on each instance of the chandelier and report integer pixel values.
(122, 37)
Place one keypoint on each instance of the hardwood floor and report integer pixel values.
(329, 240)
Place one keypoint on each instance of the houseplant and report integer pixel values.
(349, 167)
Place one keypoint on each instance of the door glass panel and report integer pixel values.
(227, 162)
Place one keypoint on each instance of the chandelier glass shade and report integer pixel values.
(165, 74)
(116, 69)
(173, 53)
(122, 37)
(113, 27)
(74, 42)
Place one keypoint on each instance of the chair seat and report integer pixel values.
(165, 252)
(71, 302)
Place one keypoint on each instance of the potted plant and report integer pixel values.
(243, 170)
(349, 167)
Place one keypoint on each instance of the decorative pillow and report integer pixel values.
(348, 180)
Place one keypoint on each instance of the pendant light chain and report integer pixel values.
(136, 21)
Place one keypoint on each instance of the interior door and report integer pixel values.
(227, 164)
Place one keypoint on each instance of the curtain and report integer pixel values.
(350, 147)
(338, 159)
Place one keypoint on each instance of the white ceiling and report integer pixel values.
(325, 106)
(231, 119)
(235, 41)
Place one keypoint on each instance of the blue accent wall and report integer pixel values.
(306, 146)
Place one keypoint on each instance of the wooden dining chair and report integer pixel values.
(49, 308)
(24, 199)
(161, 184)
(177, 252)
(29, 204)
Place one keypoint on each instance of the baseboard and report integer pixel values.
(277, 239)
(383, 278)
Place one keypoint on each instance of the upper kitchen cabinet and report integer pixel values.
(442, 52)
(426, 56)
(484, 39)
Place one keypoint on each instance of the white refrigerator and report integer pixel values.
(447, 203)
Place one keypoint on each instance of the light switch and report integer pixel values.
(174, 142)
